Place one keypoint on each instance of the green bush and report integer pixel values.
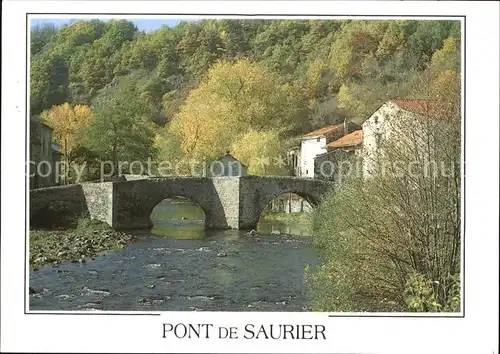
(391, 241)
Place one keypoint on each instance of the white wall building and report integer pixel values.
(315, 143)
(389, 117)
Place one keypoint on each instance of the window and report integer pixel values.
(378, 138)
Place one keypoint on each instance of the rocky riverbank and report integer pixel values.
(76, 245)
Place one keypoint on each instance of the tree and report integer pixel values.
(68, 123)
(48, 82)
(40, 36)
(448, 57)
(232, 99)
(262, 152)
(120, 127)
(392, 241)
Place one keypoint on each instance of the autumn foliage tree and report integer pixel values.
(392, 239)
(67, 123)
(232, 99)
(212, 81)
(262, 152)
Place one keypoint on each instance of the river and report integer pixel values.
(180, 266)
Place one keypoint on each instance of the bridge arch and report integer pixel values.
(136, 200)
(228, 202)
(265, 189)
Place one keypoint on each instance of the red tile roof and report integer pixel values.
(331, 129)
(415, 106)
(352, 139)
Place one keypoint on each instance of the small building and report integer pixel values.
(315, 143)
(227, 165)
(42, 157)
(340, 158)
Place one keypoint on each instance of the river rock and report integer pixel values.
(252, 233)
(222, 254)
(40, 259)
(183, 218)
(144, 301)
(32, 291)
(275, 232)
(88, 291)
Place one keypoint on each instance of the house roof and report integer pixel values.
(228, 155)
(415, 106)
(330, 129)
(351, 139)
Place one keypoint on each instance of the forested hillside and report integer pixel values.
(201, 88)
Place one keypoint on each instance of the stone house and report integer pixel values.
(316, 143)
(227, 165)
(391, 116)
(43, 157)
(340, 158)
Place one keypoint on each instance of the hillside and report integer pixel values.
(200, 88)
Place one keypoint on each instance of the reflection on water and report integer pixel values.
(269, 227)
(182, 219)
(186, 269)
(178, 219)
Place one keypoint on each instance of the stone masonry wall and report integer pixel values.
(99, 199)
(134, 200)
(70, 198)
(257, 192)
(228, 202)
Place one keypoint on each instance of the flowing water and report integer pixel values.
(179, 266)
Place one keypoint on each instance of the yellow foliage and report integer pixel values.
(261, 152)
(67, 122)
(232, 99)
(341, 55)
(314, 83)
(358, 101)
(359, 40)
(446, 86)
(447, 57)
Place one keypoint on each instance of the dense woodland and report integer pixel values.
(191, 92)
(200, 88)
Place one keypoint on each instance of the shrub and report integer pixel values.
(390, 240)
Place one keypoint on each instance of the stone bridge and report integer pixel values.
(228, 202)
